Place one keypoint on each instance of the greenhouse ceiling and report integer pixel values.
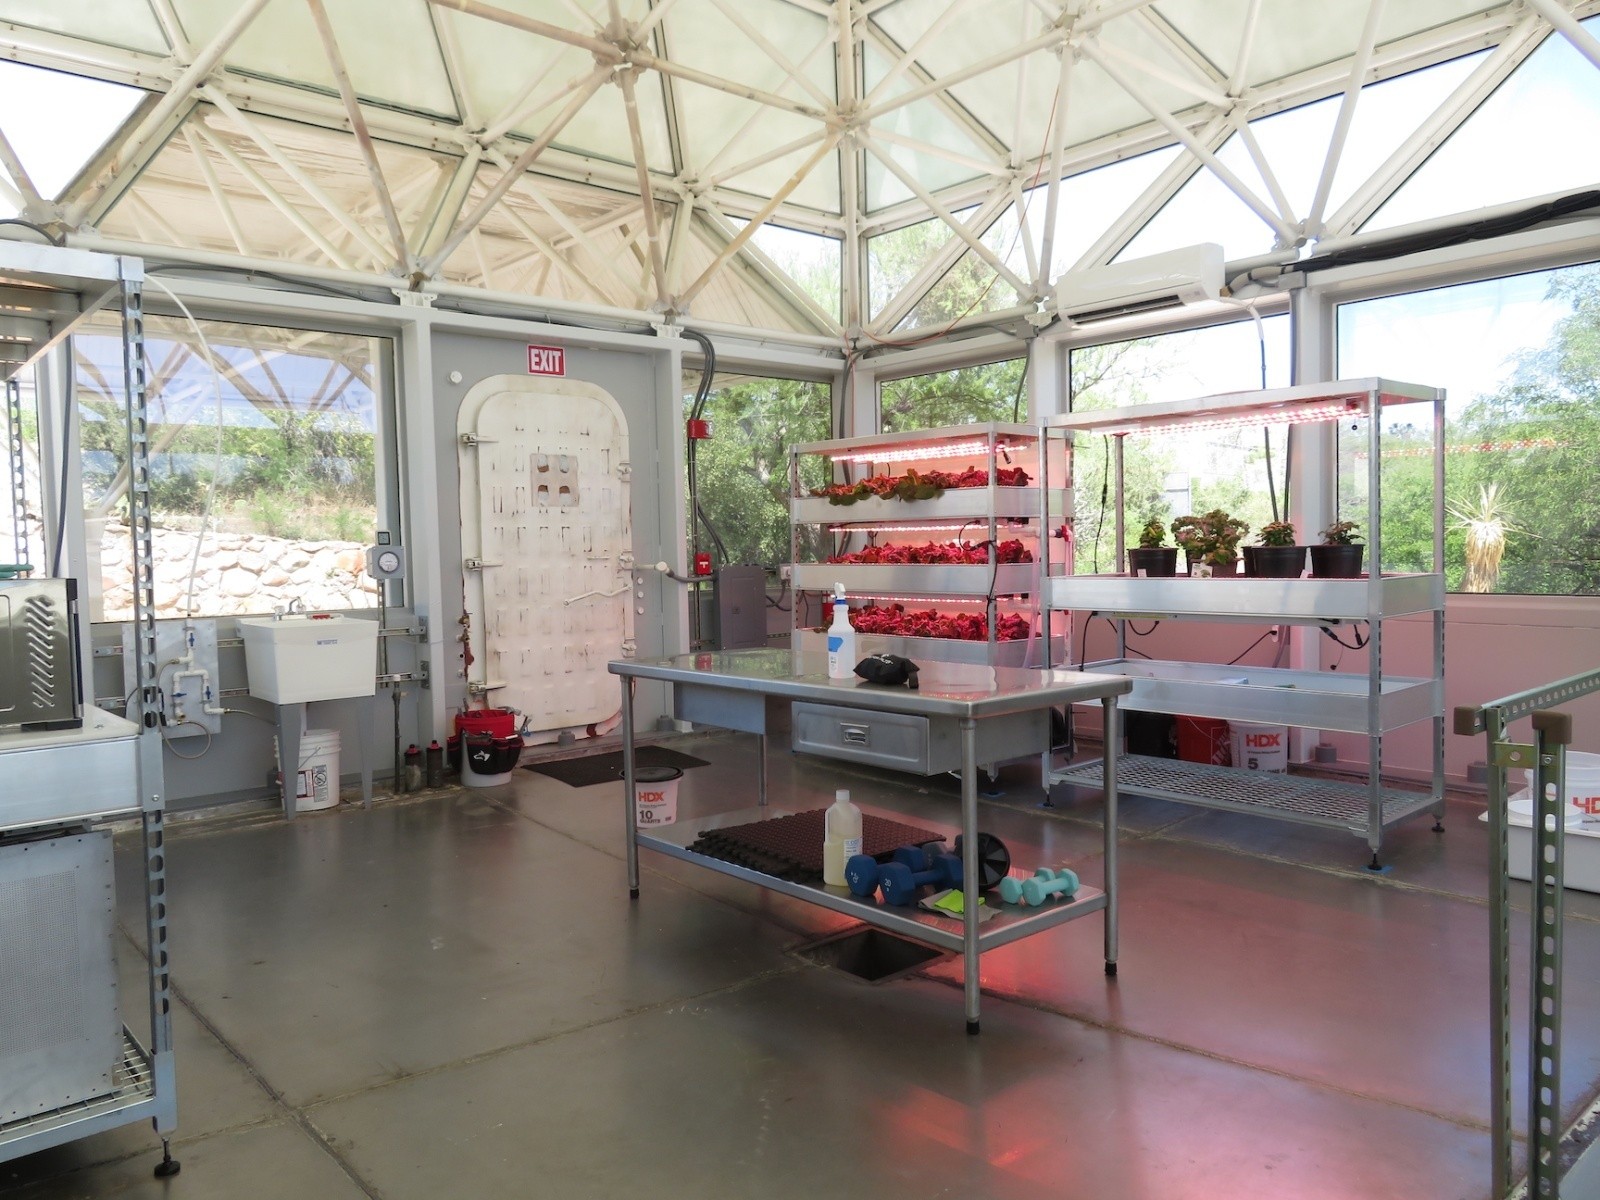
(848, 170)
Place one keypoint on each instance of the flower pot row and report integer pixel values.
(1260, 562)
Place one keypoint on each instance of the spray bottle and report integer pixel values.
(841, 837)
(841, 638)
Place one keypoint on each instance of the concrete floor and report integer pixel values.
(452, 996)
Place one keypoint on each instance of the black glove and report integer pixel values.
(888, 669)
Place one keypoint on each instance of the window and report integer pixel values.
(273, 498)
(1517, 356)
(55, 123)
(1177, 472)
(743, 470)
(964, 396)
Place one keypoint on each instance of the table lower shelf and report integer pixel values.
(133, 1098)
(1327, 803)
(945, 933)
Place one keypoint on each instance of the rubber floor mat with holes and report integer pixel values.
(790, 847)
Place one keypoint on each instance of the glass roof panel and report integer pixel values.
(810, 259)
(1540, 130)
(132, 26)
(923, 121)
(894, 258)
(1088, 203)
(1205, 210)
(972, 285)
(1293, 36)
(402, 67)
(57, 122)
(173, 204)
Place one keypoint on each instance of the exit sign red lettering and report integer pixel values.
(547, 360)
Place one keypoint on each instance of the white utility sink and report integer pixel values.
(310, 656)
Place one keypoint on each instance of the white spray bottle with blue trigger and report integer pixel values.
(841, 638)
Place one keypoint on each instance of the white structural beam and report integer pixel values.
(1347, 112)
(766, 211)
(1286, 235)
(950, 79)
(358, 126)
(163, 118)
(1433, 131)
(1567, 25)
(27, 193)
(852, 196)
(219, 195)
(652, 228)
(516, 170)
(301, 177)
(913, 53)
(938, 265)
(275, 198)
(1052, 193)
(945, 215)
(783, 287)
(792, 71)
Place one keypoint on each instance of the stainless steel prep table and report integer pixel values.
(729, 690)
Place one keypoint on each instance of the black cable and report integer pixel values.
(39, 229)
(1248, 648)
(286, 280)
(1105, 493)
(1360, 642)
(1137, 632)
(698, 516)
(61, 503)
(1016, 401)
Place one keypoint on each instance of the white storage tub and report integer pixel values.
(1581, 849)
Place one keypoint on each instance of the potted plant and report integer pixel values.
(1339, 555)
(1210, 542)
(1151, 558)
(1276, 556)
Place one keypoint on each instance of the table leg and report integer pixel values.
(291, 719)
(1109, 774)
(969, 868)
(628, 685)
(365, 735)
(761, 768)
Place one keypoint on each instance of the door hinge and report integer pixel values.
(478, 564)
(472, 439)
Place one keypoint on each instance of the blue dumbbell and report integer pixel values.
(1046, 882)
(863, 873)
(912, 867)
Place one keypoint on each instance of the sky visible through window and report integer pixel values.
(56, 122)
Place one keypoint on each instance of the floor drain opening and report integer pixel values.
(871, 954)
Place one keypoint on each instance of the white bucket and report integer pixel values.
(655, 795)
(1259, 747)
(1583, 782)
(317, 779)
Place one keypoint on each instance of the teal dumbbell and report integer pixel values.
(1046, 882)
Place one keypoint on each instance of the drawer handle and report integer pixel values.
(855, 735)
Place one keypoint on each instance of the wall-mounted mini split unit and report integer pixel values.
(1187, 276)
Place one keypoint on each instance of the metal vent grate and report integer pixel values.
(40, 620)
(39, 945)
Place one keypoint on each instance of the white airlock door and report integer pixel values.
(547, 531)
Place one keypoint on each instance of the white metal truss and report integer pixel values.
(515, 193)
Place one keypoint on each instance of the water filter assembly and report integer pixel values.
(841, 639)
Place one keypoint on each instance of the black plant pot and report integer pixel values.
(1278, 562)
(1336, 562)
(1248, 554)
(1157, 561)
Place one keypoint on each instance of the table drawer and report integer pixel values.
(920, 745)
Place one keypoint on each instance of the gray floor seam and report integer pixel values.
(1243, 1064)
(528, 1043)
(295, 1115)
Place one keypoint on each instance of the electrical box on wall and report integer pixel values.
(186, 651)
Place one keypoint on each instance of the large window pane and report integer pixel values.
(270, 499)
(967, 395)
(1520, 359)
(1176, 472)
(743, 470)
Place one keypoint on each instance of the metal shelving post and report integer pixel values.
(60, 289)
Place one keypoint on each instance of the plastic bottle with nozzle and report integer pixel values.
(841, 638)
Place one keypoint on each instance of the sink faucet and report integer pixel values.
(296, 605)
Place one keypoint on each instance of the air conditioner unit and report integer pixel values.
(1187, 276)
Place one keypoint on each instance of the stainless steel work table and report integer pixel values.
(729, 690)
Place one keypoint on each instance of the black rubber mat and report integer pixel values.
(607, 768)
(790, 847)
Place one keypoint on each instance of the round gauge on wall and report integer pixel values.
(386, 562)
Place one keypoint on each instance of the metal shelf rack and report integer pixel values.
(989, 513)
(1373, 705)
(47, 293)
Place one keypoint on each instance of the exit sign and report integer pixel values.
(547, 360)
